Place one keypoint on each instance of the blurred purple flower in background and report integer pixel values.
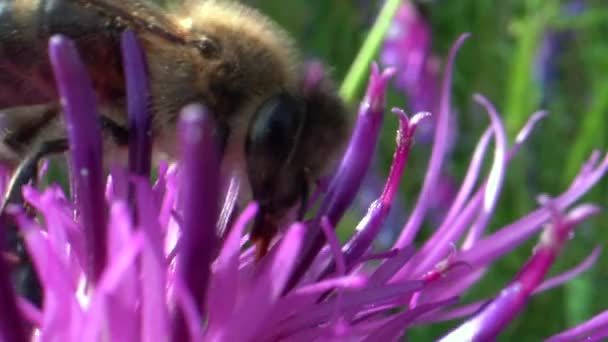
(153, 266)
(554, 44)
(407, 48)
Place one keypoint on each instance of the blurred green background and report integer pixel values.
(501, 61)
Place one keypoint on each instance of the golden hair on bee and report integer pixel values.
(268, 47)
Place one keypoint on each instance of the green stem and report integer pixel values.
(590, 133)
(522, 95)
(359, 70)
(520, 99)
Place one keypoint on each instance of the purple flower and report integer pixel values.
(162, 269)
(554, 44)
(407, 47)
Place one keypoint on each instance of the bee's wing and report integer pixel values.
(140, 16)
(23, 127)
(94, 25)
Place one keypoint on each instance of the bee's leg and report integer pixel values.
(27, 170)
(30, 133)
(25, 278)
(22, 147)
(22, 130)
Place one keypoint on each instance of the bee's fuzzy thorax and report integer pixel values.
(243, 30)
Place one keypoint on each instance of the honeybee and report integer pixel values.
(280, 127)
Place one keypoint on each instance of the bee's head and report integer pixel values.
(291, 141)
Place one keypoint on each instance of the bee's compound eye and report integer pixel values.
(274, 130)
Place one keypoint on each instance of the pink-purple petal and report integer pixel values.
(154, 311)
(138, 105)
(498, 313)
(572, 273)
(591, 329)
(496, 177)
(352, 301)
(351, 171)
(437, 157)
(222, 293)
(79, 107)
(106, 310)
(394, 328)
(199, 194)
(471, 308)
(271, 278)
(370, 225)
(470, 179)
(504, 239)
